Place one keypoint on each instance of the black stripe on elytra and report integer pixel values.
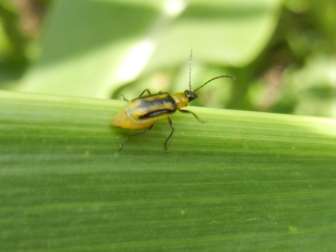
(156, 113)
(167, 99)
(147, 101)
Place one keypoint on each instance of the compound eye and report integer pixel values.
(190, 93)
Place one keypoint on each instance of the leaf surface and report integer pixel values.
(242, 181)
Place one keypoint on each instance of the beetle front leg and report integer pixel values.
(190, 112)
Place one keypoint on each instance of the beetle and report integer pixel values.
(145, 110)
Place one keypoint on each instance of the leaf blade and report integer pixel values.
(242, 181)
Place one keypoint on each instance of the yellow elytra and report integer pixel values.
(145, 110)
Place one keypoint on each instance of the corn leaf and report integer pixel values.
(242, 181)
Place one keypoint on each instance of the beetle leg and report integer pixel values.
(190, 112)
(125, 99)
(160, 92)
(121, 147)
(144, 92)
(170, 122)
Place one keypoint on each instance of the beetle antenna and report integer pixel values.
(212, 79)
(190, 65)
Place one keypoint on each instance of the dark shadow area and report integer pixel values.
(232, 11)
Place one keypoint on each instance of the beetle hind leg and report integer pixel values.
(122, 144)
(170, 122)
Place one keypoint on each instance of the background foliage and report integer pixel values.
(281, 52)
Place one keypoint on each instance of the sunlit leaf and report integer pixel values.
(90, 48)
(242, 181)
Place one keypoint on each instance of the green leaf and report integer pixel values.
(243, 181)
(89, 45)
(312, 87)
(227, 32)
(90, 48)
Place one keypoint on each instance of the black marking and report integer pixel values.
(156, 107)
(158, 99)
(157, 113)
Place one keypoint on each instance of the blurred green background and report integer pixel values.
(282, 53)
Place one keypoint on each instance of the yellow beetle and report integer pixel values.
(145, 110)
